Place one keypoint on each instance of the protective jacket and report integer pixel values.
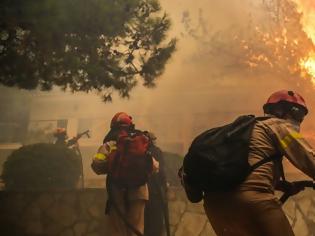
(270, 137)
(130, 201)
(253, 209)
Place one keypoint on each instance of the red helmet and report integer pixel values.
(60, 131)
(285, 96)
(121, 119)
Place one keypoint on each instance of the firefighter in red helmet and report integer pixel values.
(121, 119)
(253, 209)
(286, 103)
(61, 136)
(124, 153)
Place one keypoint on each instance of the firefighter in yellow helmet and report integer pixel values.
(253, 209)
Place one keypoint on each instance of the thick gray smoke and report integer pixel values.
(194, 94)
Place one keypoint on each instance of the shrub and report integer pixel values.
(41, 166)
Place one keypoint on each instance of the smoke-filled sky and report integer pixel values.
(195, 92)
(194, 84)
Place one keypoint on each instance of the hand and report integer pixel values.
(102, 149)
(155, 165)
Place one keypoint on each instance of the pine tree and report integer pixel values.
(80, 45)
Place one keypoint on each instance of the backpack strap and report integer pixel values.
(276, 157)
(268, 159)
(281, 169)
(248, 123)
(279, 158)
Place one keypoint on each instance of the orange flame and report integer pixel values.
(308, 65)
(307, 8)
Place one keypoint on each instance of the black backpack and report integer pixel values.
(217, 160)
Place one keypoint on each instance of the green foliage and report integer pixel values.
(41, 167)
(173, 162)
(101, 45)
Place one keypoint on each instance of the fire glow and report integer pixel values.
(307, 8)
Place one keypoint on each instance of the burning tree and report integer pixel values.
(83, 45)
(279, 46)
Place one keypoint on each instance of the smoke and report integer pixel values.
(196, 92)
(196, 85)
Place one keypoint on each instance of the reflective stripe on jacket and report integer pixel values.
(270, 137)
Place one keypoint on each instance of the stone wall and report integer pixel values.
(81, 213)
(64, 213)
(189, 219)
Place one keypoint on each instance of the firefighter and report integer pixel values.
(125, 206)
(61, 136)
(253, 208)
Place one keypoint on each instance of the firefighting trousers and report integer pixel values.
(234, 216)
(134, 214)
